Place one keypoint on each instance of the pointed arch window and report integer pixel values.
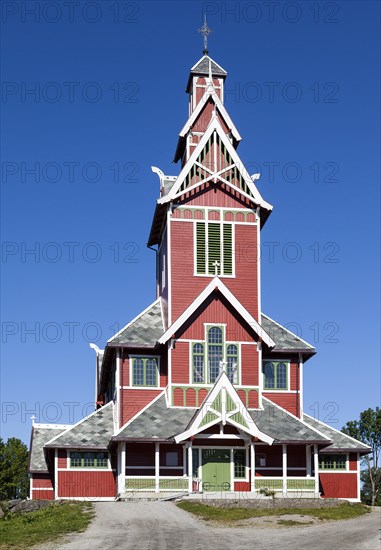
(215, 353)
(232, 363)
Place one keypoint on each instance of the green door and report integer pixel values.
(216, 470)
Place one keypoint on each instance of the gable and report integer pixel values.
(216, 310)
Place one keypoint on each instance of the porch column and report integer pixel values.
(252, 467)
(316, 468)
(284, 469)
(308, 460)
(157, 467)
(122, 467)
(190, 468)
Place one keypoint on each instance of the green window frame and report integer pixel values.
(275, 375)
(332, 461)
(239, 463)
(145, 371)
(86, 459)
(232, 362)
(206, 357)
(215, 339)
(214, 243)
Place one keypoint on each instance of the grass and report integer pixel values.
(214, 513)
(24, 531)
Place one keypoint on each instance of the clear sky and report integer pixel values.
(108, 102)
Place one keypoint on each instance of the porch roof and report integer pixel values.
(93, 432)
(340, 441)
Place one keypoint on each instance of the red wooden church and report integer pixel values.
(201, 392)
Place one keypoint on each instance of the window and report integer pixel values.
(171, 458)
(260, 460)
(232, 363)
(275, 373)
(144, 371)
(215, 354)
(214, 248)
(332, 462)
(198, 364)
(88, 460)
(239, 464)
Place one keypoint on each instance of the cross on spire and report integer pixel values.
(205, 31)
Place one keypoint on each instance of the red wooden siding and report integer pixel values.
(133, 401)
(249, 365)
(352, 461)
(222, 196)
(42, 495)
(42, 481)
(241, 486)
(341, 485)
(180, 363)
(286, 400)
(92, 484)
(62, 458)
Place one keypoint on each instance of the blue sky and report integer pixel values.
(108, 102)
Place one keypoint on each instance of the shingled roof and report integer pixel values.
(143, 331)
(283, 338)
(93, 432)
(340, 442)
(158, 422)
(40, 436)
(202, 67)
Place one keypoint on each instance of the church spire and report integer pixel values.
(205, 31)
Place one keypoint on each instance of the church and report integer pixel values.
(202, 392)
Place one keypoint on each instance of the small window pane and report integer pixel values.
(239, 463)
(75, 460)
(269, 375)
(198, 363)
(232, 363)
(138, 372)
(281, 376)
(151, 372)
(102, 460)
(171, 459)
(89, 460)
(215, 335)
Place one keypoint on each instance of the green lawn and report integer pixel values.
(24, 531)
(206, 512)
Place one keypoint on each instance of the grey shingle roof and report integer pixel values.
(144, 331)
(94, 431)
(283, 338)
(202, 67)
(340, 441)
(158, 421)
(282, 426)
(40, 436)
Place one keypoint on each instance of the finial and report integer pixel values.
(205, 30)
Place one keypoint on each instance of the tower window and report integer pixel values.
(214, 248)
(144, 371)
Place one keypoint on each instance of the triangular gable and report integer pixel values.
(247, 188)
(210, 93)
(217, 284)
(224, 405)
(203, 64)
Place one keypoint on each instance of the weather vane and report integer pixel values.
(205, 30)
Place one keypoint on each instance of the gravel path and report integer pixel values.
(162, 526)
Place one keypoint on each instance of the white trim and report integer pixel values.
(252, 467)
(316, 468)
(52, 426)
(133, 321)
(56, 473)
(74, 469)
(215, 126)
(210, 93)
(157, 467)
(259, 292)
(215, 284)
(223, 385)
(301, 388)
(90, 499)
(80, 422)
(117, 385)
(169, 270)
(140, 412)
(43, 489)
(284, 469)
(358, 478)
(338, 431)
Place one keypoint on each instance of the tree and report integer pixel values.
(366, 491)
(13, 469)
(368, 430)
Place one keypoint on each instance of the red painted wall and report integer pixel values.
(241, 486)
(133, 400)
(42, 495)
(286, 400)
(333, 485)
(86, 484)
(62, 458)
(42, 481)
(352, 461)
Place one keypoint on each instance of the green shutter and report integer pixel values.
(214, 247)
(200, 248)
(228, 249)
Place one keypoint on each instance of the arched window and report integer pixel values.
(144, 371)
(198, 364)
(275, 374)
(232, 363)
(215, 353)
